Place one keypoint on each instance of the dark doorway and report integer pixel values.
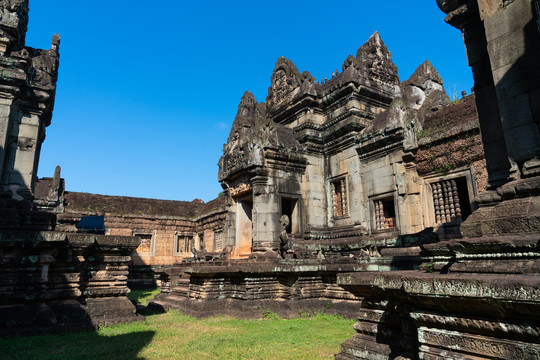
(287, 208)
(464, 201)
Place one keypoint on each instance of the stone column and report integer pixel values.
(503, 47)
(467, 19)
(503, 50)
(266, 213)
(6, 102)
(513, 44)
(23, 154)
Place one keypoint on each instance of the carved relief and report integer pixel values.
(13, 24)
(280, 88)
(240, 189)
(287, 83)
(252, 132)
(375, 61)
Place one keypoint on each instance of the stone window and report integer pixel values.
(339, 197)
(451, 200)
(183, 242)
(385, 213)
(148, 243)
(218, 240)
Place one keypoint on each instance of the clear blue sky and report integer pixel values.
(147, 91)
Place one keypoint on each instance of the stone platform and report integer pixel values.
(474, 299)
(288, 287)
(54, 282)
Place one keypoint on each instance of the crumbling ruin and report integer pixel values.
(50, 280)
(170, 231)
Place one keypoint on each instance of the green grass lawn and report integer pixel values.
(142, 296)
(172, 335)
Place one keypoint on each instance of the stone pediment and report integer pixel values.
(253, 132)
(288, 84)
(373, 61)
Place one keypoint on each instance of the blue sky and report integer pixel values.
(147, 91)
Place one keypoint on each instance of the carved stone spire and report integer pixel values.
(242, 150)
(249, 112)
(287, 83)
(374, 61)
(418, 96)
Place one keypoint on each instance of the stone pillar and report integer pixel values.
(22, 154)
(27, 91)
(104, 276)
(467, 19)
(266, 213)
(6, 102)
(503, 49)
(230, 222)
(513, 43)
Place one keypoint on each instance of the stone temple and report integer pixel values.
(360, 194)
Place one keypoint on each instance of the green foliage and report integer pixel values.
(268, 314)
(429, 267)
(173, 335)
(445, 168)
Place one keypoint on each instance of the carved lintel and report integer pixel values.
(240, 189)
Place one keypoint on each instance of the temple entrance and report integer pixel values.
(244, 227)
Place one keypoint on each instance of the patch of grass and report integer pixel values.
(173, 335)
(421, 134)
(142, 296)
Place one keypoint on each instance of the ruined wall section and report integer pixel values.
(169, 230)
(53, 281)
(450, 139)
(27, 90)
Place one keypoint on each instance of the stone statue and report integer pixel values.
(285, 241)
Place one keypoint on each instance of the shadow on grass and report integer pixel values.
(82, 345)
